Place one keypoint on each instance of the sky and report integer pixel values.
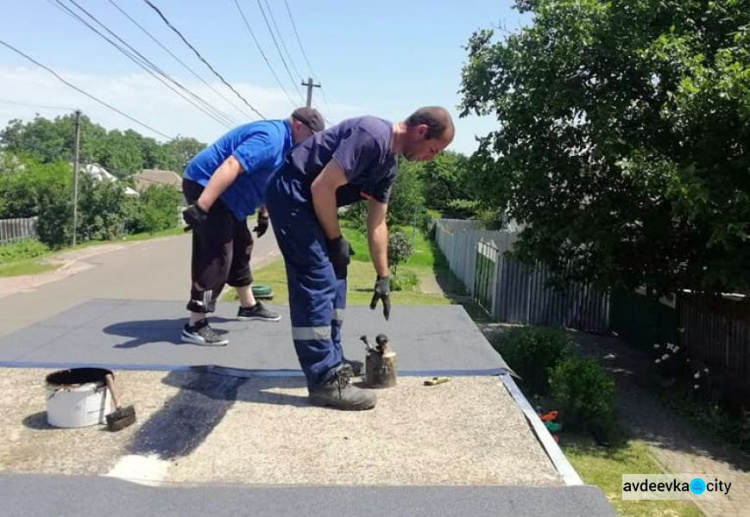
(383, 58)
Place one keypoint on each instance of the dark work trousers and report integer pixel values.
(317, 299)
(222, 247)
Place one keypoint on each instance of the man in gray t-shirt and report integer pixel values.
(352, 161)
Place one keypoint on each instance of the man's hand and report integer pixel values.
(382, 291)
(262, 226)
(194, 216)
(338, 254)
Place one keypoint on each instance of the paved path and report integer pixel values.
(157, 269)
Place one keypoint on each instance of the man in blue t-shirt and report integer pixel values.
(352, 161)
(224, 184)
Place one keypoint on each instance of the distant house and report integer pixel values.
(98, 172)
(150, 177)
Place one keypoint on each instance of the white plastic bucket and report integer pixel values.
(78, 397)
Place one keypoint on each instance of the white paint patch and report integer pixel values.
(144, 470)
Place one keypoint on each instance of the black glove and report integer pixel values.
(194, 216)
(382, 292)
(262, 225)
(338, 254)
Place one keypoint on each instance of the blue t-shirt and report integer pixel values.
(260, 147)
(362, 148)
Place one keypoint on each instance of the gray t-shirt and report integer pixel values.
(361, 147)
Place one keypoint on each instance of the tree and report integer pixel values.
(399, 250)
(446, 182)
(121, 152)
(180, 151)
(44, 140)
(407, 200)
(623, 139)
(27, 186)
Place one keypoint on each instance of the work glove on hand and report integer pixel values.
(262, 225)
(382, 291)
(338, 254)
(194, 216)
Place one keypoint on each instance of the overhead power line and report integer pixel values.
(217, 74)
(133, 119)
(257, 44)
(304, 55)
(279, 51)
(15, 103)
(148, 66)
(281, 38)
(187, 67)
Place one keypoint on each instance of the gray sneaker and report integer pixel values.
(340, 394)
(202, 334)
(257, 312)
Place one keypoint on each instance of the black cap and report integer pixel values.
(310, 117)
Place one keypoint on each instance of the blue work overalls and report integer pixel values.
(317, 299)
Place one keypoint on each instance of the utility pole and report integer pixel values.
(310, 86)
(75, 175)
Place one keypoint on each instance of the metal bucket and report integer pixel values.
(78, 397)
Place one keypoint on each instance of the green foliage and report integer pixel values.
(532, 351)
(101, 210)
(406, 204)
(155, 210)
(621, 140)
(584, 390)
(54, 225)
(403, 281)
(399, 249)
(26, 186)
(121, 152)
(356, 216)
(448, 186)
(25, 249)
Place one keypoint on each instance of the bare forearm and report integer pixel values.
(324, 202)
(219, 182)
(378, 241)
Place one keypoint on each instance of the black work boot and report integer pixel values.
(338, 393)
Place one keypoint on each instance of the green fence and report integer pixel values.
(643, 321)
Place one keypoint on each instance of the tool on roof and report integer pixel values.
(380, 363)
(121, 417)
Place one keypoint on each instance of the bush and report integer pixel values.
(356, 214)
(154, 211)
(25, 249)
(584, 390)
(101, 209)
(531, 352)
(55, 223)
(403, 281)
(399, 250)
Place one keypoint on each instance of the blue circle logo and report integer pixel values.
(697, 486)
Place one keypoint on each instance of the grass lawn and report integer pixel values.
(604, 468)
(361, 276)
(25, 267)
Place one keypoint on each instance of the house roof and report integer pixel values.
(149, 177)
(100, 173)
